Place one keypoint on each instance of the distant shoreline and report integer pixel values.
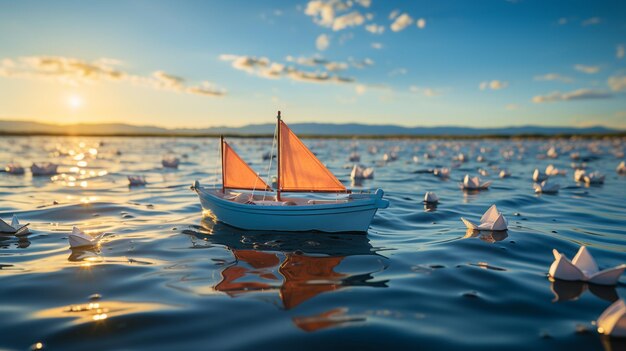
(325, 136)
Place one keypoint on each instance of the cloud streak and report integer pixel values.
(401, 22)
(73, 71)
(263, 67)
(493, 85)
(554, 77)
(587, 69)
(580, 94)
(336, 14)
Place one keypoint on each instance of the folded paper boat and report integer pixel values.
(14, 228)
(612, 321)
(491, 220)
(473, 183)
(78, 238)
(583, 268)
(547, 188)
(431, 198)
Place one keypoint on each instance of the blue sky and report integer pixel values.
(204, 63)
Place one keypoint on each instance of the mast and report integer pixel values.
(278, 160)
(222, 156)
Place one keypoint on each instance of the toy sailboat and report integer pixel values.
(299, 171)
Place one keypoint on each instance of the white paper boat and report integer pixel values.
(14, 168)
(354, 157)
(583, 268)
(621, 168)
(388, 157)
(579, 175)
(552, 153)
(594, 178)
(14, 228)
(553, 171)
(481, 158)
(44, 169)
(483, 172)
(473, 183)
(538, 176)
(78, 238)
(442, 172)
(504, 173)
(612, 321)
(137, 180)
(170, 162)
(431, 198)
(360, 172)
(491, 220)
(546, 188)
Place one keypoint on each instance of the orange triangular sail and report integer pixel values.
(299, 169)
(237, 174)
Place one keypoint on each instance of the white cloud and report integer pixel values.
(394, 14)
(377, 46)
(619, 51)
(398, 72)
(72, 71)
(554, 77)
(334, 13)
(428, 92)
(375, 28)
(421, 23)
(351, 19)
(493, 85)
(587, 69)
(617, 83)
(322, 42)
(318, 61)
(401, 22)
(580, 94)
(592, 21)
(265, 68)
(364, 3)
(361, 64)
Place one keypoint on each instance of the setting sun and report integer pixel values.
(75, 102)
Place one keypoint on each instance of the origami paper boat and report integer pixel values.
(441, 172)
(621, 168)
(583, 268)
(474, 183)
(491, 220)
(431, 198)
(170, 162)
(360, 172)
(14, 168)
(14, 228)
(553, 171)
(78, 238)
(136, 180)
(538, 176)
(612, 321)
(505, 173)
(44, 169)
(546, 187)
(594, 178)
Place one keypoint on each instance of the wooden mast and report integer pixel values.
(278, 161)
(222, 156)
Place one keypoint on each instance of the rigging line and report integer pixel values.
(269, 167)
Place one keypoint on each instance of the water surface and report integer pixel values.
(165, 278)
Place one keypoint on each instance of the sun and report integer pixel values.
(75, 102)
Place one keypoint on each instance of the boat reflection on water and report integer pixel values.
(487, 235)
(295, 266)
(571, 290)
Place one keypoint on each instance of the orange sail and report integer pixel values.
(299, 169)
(237, 174)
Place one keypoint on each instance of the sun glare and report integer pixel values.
(75, 102)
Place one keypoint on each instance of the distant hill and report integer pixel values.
(321, 129)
